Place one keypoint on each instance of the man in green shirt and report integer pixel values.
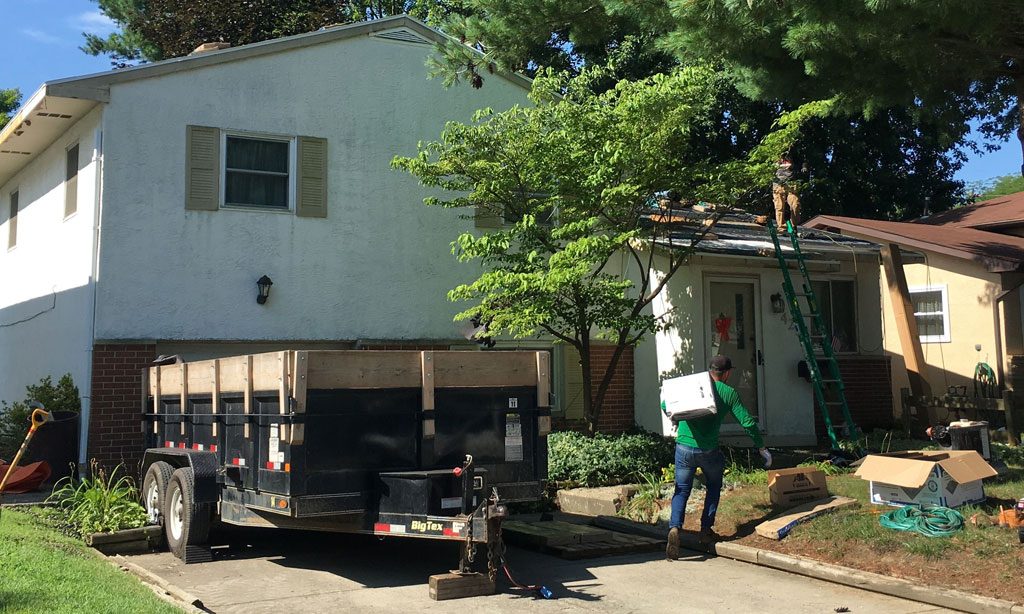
(697, 447)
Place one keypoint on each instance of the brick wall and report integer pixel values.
(115, 431)
(618, 414)
(868, 381)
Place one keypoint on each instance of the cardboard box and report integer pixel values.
(936, 477)
(686, 398)
(796, 485)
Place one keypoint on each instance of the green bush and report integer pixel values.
(1011, 455)
(575, 459)
(101, 503)
(14, 417)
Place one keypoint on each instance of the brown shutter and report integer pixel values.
(311, 188)
(71, 181)
(202, 168)
(572, 404)
(484, 218)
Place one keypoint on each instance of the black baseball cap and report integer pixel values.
(720, 363)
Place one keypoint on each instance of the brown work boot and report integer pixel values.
(672, 549)
(708, 537)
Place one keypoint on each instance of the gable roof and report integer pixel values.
(997, 212)
(57, 104)
(996, 252)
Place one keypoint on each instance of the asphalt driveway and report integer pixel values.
(260, 570)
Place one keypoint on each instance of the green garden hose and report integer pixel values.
(929, 520)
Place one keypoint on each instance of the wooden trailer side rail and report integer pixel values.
(292, 372)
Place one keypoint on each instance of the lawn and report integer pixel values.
(42, 570)
(985, 561)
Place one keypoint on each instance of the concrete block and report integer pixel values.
(605, 501)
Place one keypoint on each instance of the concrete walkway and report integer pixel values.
(280, 571)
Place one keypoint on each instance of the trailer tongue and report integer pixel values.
(398, 443)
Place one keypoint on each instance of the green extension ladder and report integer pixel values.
(817, 344)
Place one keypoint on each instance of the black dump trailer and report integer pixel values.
(428, 444)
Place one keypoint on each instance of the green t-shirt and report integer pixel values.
(703, 432)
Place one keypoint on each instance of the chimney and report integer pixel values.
(206, 47)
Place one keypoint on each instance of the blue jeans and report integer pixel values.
(712, 464)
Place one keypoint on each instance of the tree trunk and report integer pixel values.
(588, 386)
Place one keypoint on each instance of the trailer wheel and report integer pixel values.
(186, 523)
(154, 490)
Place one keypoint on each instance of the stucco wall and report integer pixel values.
(45, 281)
(377, 267)
(971, 291)
(788, 405)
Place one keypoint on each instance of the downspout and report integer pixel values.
(83, 436)
(997, 320)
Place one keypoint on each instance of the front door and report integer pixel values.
(732, 330)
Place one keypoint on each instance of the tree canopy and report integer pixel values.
(151, 30)
(9, 102)
(569, 186)
(947, 59)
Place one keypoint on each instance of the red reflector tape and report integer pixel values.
(197, 446)
(181, 445)
(213, 448)
(168, 444)
(448, 531)
(381, 527)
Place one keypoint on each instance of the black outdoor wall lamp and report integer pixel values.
(263, 283)
(777, 305)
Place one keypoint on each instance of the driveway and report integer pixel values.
(260, 570)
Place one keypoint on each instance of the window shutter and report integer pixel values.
(573, 402)
(202, 168)
(312, 177)
(483, 218)
(71, 180)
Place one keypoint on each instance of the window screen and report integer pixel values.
(256, 172)
(837, 301)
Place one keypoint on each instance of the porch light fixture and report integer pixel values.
(263, 283)
(777, 304)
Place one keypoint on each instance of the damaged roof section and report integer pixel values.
(738, 233)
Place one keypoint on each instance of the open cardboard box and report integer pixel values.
(934, 477)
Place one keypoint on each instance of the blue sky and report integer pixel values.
(42, 39)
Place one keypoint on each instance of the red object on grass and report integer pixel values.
(26, 478)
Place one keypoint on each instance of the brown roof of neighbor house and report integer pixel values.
(996, 252)
(995, 212)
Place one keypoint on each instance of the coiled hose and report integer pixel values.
(928, 520)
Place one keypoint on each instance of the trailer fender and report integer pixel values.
(202, 463)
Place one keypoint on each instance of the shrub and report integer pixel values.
(14, 417)
(101, 503)
(1011, 455)
(575, 459)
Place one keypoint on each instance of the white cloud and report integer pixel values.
(93, 22)
(42, 37)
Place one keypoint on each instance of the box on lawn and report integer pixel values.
(949, 478)
(796, 485)
(686, 398)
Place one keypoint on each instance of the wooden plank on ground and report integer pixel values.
(456, 586)
(616, 544)
(587, 533)
(780, 526)
(536, 536)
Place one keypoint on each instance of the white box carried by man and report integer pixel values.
(686, 398)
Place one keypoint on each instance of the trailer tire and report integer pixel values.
(154, 491)
(186, 523)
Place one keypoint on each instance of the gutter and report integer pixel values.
(83, 436)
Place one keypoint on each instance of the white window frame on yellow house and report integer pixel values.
(944, 312)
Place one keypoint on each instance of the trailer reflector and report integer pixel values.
(197, 446)
(213, 448)
(182, 445)
(273, 466)
(383, 527)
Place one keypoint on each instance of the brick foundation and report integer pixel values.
(868, 381)
(115, 431)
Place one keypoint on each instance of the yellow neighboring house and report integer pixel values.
(952, 281)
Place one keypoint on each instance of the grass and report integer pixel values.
(42, 570)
